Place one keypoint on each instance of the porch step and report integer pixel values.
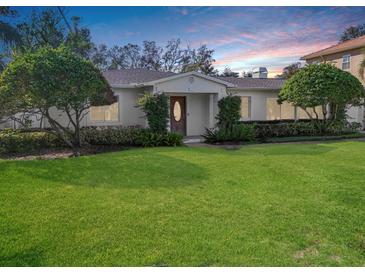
(193, 139)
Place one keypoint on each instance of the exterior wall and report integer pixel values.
(129, 114)
(258, 101)
(191, 84)
(357, 55)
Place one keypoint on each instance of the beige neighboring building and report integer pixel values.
(346, 56)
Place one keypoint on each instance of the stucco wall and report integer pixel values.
(129, 114)
(258, 101)
(191, 84)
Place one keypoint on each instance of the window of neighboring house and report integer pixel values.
(245, 107)
(105, 113)
(287, 111)
(346, 61)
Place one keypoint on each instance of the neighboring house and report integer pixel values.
(346, 56)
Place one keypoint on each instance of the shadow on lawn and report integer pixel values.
(270, 149)
(28, 257)
(131, 169)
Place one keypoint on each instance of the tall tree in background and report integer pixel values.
(227, 72)
(9, 35)
(290, 70)
(151, 56)
(172, 56)
(353, 32)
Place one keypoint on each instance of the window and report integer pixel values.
(105, 113)
(177, 111)
(346, 61)
(303, 115)
(245, 107)
(287, 111)
(272, 109)
(275, 111)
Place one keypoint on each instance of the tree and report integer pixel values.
(39, 81)
(229, 73)
(172, 56)
(151, 56)
(353, 32)
(290, 70)
(322, 85)
(200, 60)
(9, 35)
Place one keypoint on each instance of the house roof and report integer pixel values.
(344, 46)
(255, 83)
(132, 77)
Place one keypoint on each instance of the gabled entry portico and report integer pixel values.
(193, 101)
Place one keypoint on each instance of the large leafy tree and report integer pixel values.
(322, 85)
(40, 81)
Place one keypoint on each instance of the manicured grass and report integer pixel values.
(262, 205)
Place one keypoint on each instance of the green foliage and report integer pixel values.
(229, 111)
(15, 141)
(46, 78)
(323, 85)
(237, 133)
(129, 136)
(156, 108)
(288, 129)
(154, 139)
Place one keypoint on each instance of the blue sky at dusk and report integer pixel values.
(242, 37)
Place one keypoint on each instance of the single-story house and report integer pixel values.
(193, 100)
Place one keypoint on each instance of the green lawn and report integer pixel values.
(262, 205)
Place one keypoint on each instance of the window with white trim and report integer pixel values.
(346, 59)
(109, 113)
(276, 111)
(245, 107)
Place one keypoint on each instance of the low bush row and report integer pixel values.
(303, 128)
(249, 131)
(129, 136)
(20, 141)
(16, 141)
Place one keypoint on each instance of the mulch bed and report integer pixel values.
(60, 153)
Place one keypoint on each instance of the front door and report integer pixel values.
(178, 114)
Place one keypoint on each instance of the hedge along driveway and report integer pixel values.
(268, 205)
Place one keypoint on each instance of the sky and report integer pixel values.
(242, 37)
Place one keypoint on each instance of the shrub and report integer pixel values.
(16, 141)
(129, 136)
(229, 111)
(153, 139)
(301, 128)
(156, 108)
(237, 133)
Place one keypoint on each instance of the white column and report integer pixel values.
(211, 110)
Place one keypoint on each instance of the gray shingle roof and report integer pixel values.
(133, 76)
(139, 76)
(255, 83)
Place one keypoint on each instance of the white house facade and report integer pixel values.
(193, 100)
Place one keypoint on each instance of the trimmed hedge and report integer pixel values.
(302, 128)
(16, 141)
(129, 136)
(236, 133)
